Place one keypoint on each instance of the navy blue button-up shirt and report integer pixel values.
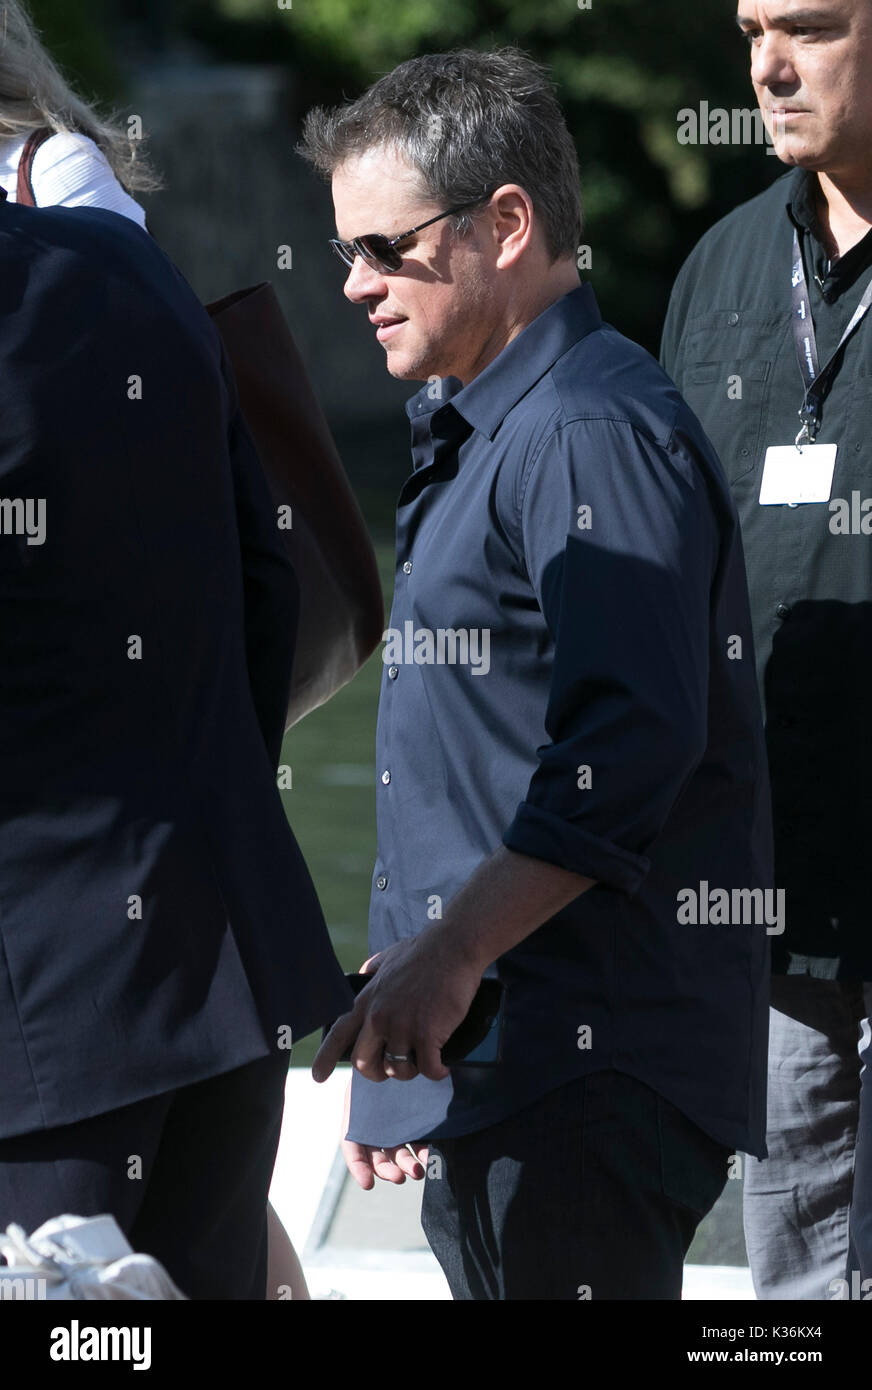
(569, 670)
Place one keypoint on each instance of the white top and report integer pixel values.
(69, 170)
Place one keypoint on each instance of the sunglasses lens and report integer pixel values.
(378, 252)
(375, 250)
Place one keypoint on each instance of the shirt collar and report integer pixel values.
(487, 399)
(833, 276)
(802, 202)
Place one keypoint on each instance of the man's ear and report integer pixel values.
(513, 222)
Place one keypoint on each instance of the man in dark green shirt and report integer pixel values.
(768, 316)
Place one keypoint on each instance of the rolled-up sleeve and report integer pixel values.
(620, 545)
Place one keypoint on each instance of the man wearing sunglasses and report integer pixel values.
(556, 815)
(381, 252)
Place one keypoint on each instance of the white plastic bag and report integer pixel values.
(75, 1257)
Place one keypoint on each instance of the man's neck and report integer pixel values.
(561, 281)
(845, 211)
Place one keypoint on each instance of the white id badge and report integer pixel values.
(792, 475)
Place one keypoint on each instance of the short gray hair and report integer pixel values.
(467, 122)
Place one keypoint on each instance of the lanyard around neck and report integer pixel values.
(817, 379)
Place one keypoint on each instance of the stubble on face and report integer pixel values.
(452, 331)
(442, 291)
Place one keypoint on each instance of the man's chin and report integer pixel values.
(402, 369)
(798, 153)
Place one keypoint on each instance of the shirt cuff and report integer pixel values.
(545, 836)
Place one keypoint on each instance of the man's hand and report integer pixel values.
(422, 989)
(366, 1163)
(420, 992)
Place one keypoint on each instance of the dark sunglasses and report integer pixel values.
(380, 251)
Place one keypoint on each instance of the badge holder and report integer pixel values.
(800, 472)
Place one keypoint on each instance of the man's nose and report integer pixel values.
(364, 282)
(771, 65)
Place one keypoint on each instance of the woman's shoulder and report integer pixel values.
(64, 146)
(69, 169)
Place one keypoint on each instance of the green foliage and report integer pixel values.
(78, 38)
(623, 68)
(372, 38)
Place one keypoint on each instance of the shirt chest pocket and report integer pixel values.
(728, 395)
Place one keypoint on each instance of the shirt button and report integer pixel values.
(381, 882)
(393, 672)
(783, 610)
(732, 319)
(407, 567)
(386, 777)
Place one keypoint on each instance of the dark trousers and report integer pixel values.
(196, 1199)
(595, 1191)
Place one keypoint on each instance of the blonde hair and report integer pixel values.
(34, 95)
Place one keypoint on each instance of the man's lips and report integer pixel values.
(385, 326)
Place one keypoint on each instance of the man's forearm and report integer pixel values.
(504, 901)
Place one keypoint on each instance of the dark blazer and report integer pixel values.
(157, 921)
